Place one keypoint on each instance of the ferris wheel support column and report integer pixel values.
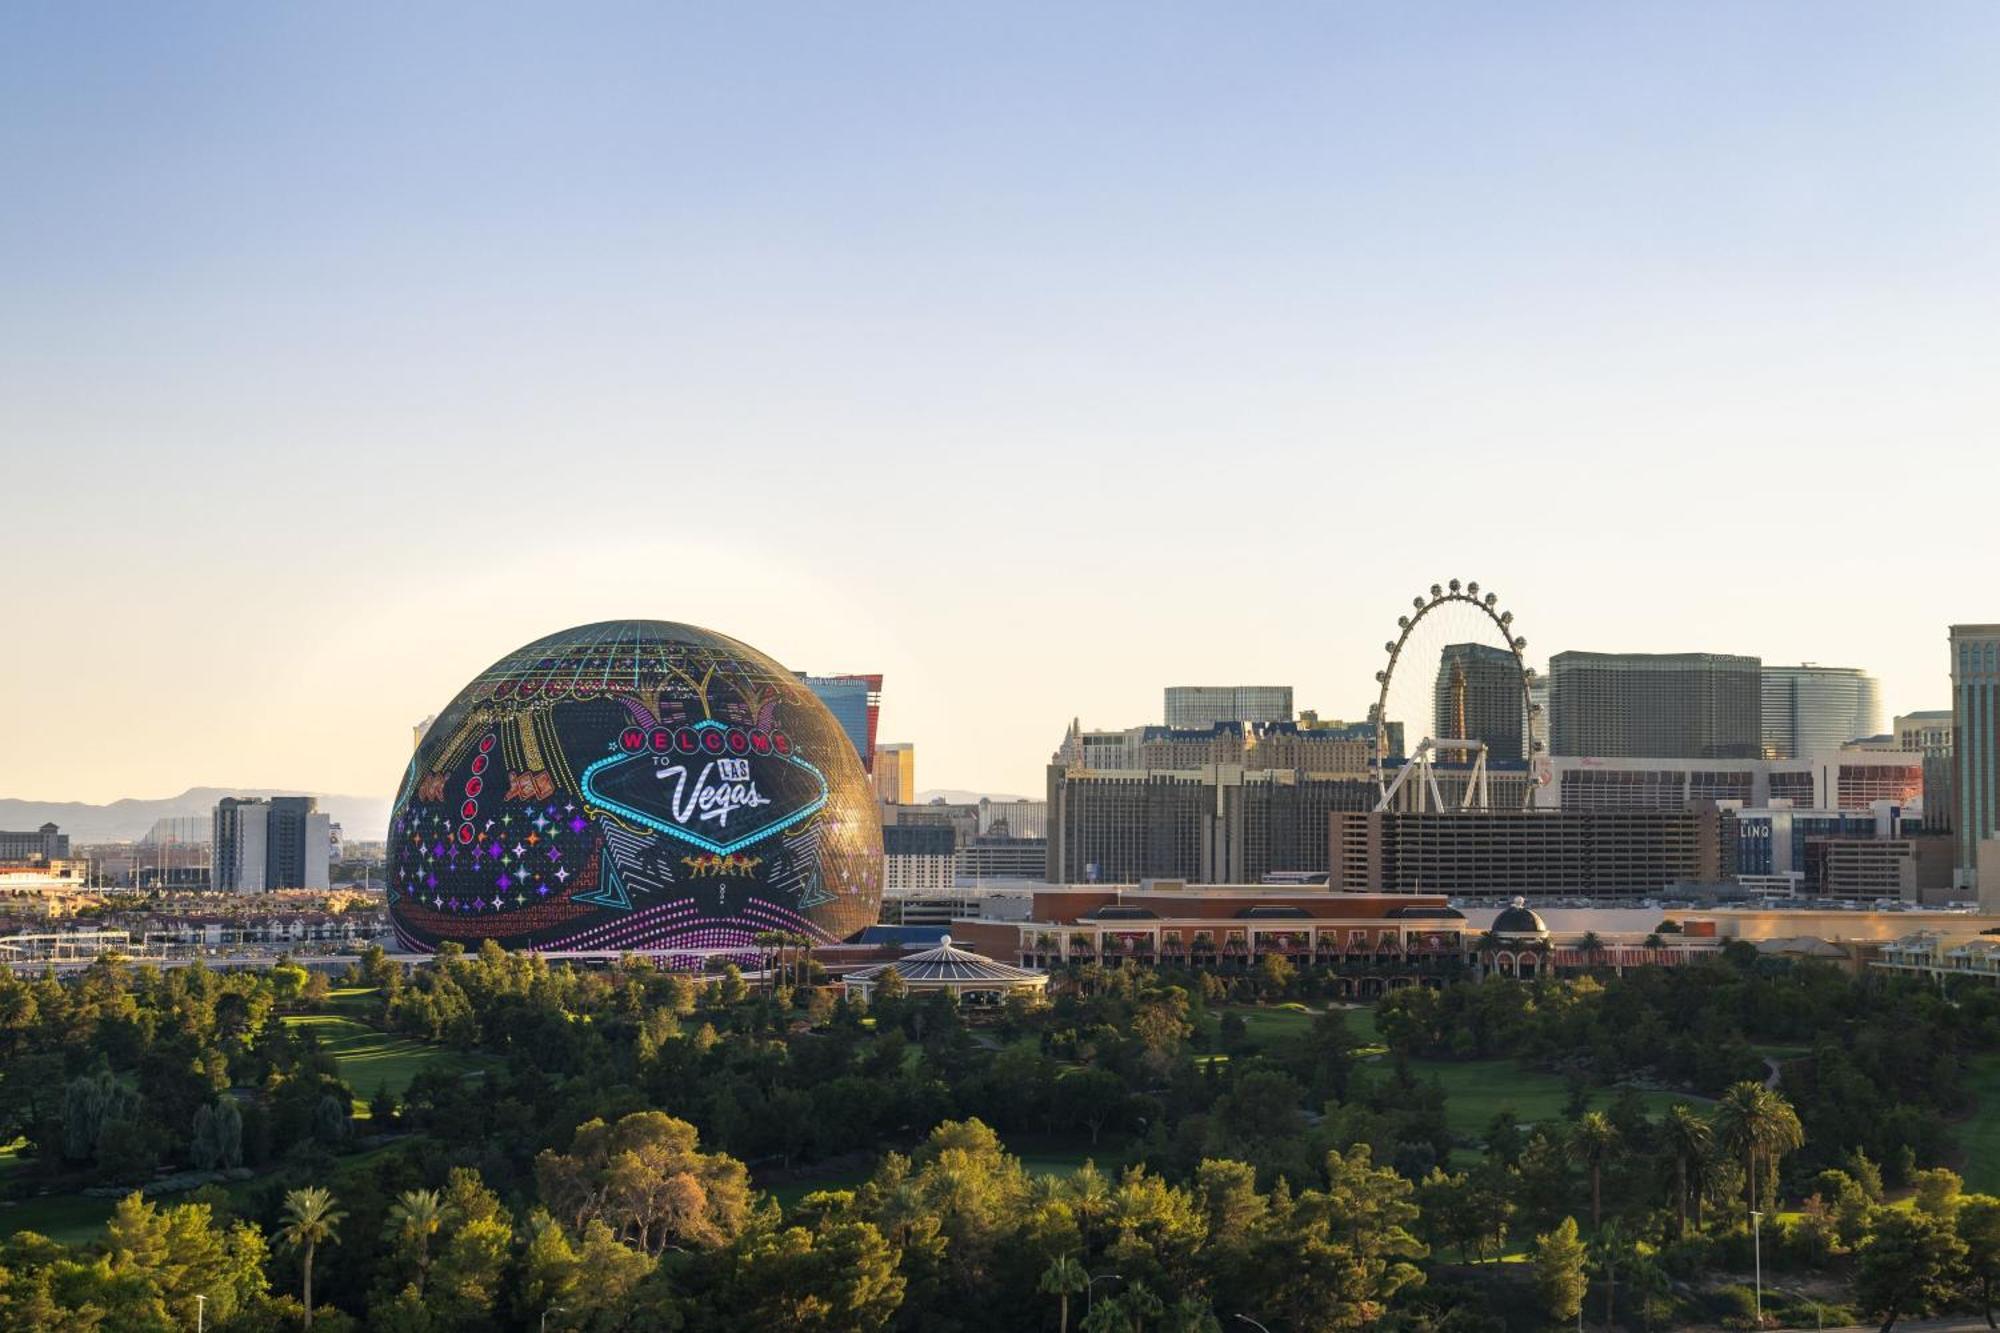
(1478, 796)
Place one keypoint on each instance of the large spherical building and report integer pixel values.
(633, 785)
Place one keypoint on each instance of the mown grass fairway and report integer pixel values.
(73, 1219)
(1266, 1026)
(368, 1059)
(1477, 1090)
(1979, 1136)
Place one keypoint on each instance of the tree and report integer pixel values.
(288, 981)
(1105, 1316)
(91, 1103)
(1759, 1126)
(1559, 1261)
(1275, 974)
(1591, 1143)
(1329, 1048)
(1610, 1250)
(1063, 1278)
(1090, 1098)
(1334, 1258)
(839, 1278)
(1161, 1025)
(178, 1253)
(1938, 1191)
(1142, 1303)
(592, 1276)
(472, 1257)
(413, 1219)
(1847, 1204)
(647, 1179)
(1686, 1140)
(1978, 1226)
(1469, 1210)
(889, 985)
(1190, 1314)
(1908, 1265)
(310, 1220)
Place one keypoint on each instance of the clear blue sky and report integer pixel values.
(1037, 356)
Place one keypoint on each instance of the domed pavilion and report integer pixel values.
(957, 972)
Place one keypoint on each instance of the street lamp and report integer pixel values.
(200, 1312)
(1090, 1288)
(553, 1309)
(1253, 1323)
(1757, 1250)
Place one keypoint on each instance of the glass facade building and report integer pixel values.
(856, 703)
(1198, 707)
(1811, 710)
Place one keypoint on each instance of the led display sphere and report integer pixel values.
(634, 785)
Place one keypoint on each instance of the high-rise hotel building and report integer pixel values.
(1656, 705)
(895, 773)
(1811, 710)
(1192, 707)
(1975, 697)
(260, 844)
(1479, 696)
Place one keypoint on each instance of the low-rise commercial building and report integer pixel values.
(1371, 943)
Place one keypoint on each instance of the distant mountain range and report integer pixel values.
(360, 817)
(954, 797)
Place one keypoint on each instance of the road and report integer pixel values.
(1919, 1325)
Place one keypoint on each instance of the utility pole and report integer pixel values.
(1757, 1250)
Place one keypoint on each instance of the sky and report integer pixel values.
(1035, 356)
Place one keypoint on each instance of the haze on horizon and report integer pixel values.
(1036, 357)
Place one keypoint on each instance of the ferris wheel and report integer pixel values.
(1457, 677)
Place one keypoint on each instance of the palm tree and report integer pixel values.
(1089, 1198)
(1686, 1140)
(1757, 1123)
(1593, 1140)
(1609, 1250)
(310, 1220)
(1063, 1278)
(413, 1219)
(1590, 946)
(1191, 1314)
(1142, 1304)
(1105, 1316)
(768, 943)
